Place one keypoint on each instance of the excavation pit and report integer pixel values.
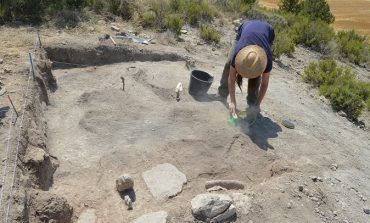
(98, 130)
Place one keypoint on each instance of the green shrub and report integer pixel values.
(340, 86)
(274, 19)
(354, 47)
(21, 10)
(67, 18)
(209, 34)
(155, 16)
(174, 23)
(314, 34)
(318, 10)
(148, 19)
(113, 6)
(126, 9)
(241, 6)
(283, 44)
(176, 5)
(99, 6)
(199, 10)
(293, 6)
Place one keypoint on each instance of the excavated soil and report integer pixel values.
(98, 132)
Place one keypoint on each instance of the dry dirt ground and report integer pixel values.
(348, 14)
(99, 132)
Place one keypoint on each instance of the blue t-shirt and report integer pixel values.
(255, 32)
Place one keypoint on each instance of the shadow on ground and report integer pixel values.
(261, 131)
(3, 111)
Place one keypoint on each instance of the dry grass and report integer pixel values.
(348, 14)
(16, 42)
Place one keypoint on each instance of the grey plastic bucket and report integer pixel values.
(200, 82)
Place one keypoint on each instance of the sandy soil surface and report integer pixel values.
(348, 14)
(98, 132)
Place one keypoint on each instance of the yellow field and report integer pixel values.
(353, 14)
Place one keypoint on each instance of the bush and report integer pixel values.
(99, 6)
(21, 10)
(148, 19)
(274, 19)
(293, 6)
(318, 10)
(199, 10)
(354, 47)
(340, 86)
(314, 34)
(209, 34)
(176, 5)
(242, 6)
(283, 44)
(67, 18)
(126, 9)
(175, 23)
(155, 16)
(113, 6)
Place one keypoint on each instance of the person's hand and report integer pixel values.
(232, 109)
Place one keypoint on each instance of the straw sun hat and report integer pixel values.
(251, 61)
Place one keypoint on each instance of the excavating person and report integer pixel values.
(250, 57)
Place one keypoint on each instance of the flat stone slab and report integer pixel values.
(164, 181)
(216, 207)
(154, 217)
(87, 216)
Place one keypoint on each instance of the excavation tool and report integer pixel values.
(233, 120)
(178, 90)
(123, 83)
(134, 39)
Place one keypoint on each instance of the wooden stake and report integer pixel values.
(114, 42)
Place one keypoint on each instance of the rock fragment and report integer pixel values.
(334, 167)
(300, 188)
(342, 114)
(288, 124)
(242, 202)
(215, 188)
(154, 217)
(87, 216)
(212, 207)
(115, 28)
(124, 182)
(227, 184)
(367, 210)
(164, 181)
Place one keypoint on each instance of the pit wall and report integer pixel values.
(103, 54)
(32, 201)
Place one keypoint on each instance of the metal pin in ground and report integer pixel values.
(123, 83)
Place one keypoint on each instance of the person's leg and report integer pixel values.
(253, 90)
(223, 90)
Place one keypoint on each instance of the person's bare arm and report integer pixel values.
(263, 87)
(231, 84)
